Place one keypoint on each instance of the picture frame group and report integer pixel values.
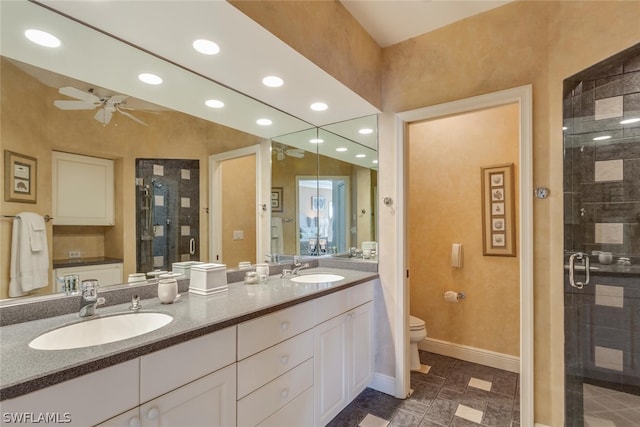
(498, 211)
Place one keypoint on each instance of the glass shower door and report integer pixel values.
(602, 243)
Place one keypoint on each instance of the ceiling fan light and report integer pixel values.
(150, 79)
(42, 38)
(206, 47)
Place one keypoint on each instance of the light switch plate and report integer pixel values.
(238, 235)
(75, 254)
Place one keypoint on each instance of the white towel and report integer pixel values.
(277, 240)
(29, 267)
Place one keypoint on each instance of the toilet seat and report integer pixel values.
(415, 324)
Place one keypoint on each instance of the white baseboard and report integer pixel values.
(540, 425)
(471, 354)
(383, 383)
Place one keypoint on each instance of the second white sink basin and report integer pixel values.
(101, 330)
(317, 278)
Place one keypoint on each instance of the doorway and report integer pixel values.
(522, 97)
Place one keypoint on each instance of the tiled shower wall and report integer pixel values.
(602, 177)
(174, 185)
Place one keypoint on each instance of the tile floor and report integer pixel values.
(609, 408)
(453, 393)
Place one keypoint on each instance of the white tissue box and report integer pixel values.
(184, 267)
(207, 279)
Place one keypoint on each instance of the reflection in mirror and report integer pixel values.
(167, 206)
(325, 187)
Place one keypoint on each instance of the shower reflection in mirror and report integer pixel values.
(167, 202)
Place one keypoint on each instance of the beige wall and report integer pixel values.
(239, 210)
(538, 43)
(31, 125)
(444, 207)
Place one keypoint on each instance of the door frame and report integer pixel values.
(523, 97)
(263, 196)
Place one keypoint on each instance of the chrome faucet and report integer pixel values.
(135, 303)
(298, 265)
(89, 298)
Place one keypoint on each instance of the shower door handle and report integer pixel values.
(192, 246)
(572, 277)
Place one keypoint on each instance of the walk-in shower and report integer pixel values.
(602, 242)
(167, 207)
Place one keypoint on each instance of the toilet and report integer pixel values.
(417, 332)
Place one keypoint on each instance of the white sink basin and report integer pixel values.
(317, 278)
(101, 330)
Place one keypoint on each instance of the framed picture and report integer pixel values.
(19, 177)
(318, 203)
(276, 199)
(498, 211)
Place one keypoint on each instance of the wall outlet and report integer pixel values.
(75, 254)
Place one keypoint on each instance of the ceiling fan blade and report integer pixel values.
(103, 116)
(296, 152)
(79, 94)
(116, 99)
(73, 105)
(132, 117)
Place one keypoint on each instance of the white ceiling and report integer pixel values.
(390, 22)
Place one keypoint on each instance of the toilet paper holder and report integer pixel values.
(459, 296)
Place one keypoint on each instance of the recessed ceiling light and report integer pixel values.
(150, 79)
(341, 149)
(602, 138)
(316, 141)
(365, 131)
(375, 161)
(319, 106)
(206, 47)
(272, 81)
(42, 38)
(629, 121)
(360, 156)
(264, 122)
(564, 128)
(214, 103)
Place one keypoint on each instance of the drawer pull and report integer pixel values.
(284, 359)
(153, 413)
(134, 422)
(284, 393)
(284, 325)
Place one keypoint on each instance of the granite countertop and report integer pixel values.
(76, 262)
(24, 369)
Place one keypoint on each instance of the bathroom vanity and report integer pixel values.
(282, 353)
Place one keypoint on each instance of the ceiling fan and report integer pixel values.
(106, 105)
(282, 151)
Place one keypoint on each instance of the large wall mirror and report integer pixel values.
(149, 127)
(324, 186)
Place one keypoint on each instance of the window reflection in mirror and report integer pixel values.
(328, 189)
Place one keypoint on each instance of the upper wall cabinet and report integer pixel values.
(82, 190)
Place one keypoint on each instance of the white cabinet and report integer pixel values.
(82, 401)
(275, 368)
(208, 401)
(105, 274)
(82, 190)
(343, 351)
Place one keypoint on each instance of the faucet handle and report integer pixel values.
(286, 273)
(135, 303)
(89, 288)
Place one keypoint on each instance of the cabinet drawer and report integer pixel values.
(360, 294)
(86, 400)
(265, 401)
(263, 332)
(298, 412)
(263, 367)
(331, 305)
(167, 369)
